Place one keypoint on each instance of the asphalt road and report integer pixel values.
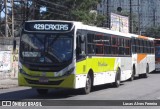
(139, 89)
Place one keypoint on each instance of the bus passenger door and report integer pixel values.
(80, 60)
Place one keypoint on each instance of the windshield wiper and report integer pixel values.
(52, 57)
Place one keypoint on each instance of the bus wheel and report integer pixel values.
(147, 71)
(88, 86)
(132, 76)
(117, 79)
(42, 91)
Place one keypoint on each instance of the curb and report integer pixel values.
(8, 83)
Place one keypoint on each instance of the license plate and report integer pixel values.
(43, 80)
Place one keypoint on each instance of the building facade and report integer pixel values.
(145, 13)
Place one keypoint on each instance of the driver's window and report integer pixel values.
(80, 44)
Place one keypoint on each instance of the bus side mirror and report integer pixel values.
(83, 54)
(81, 38)
(14, 45)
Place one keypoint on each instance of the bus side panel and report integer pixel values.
(126, 67)
(152, 63)
(104, 71)
(141, 61)
(81, 74)
(101, 67)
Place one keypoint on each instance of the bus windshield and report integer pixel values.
(46, 48)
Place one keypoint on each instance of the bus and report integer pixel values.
(143, 57)
(68, 54)
(157, 54)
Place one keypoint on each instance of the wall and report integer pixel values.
(8, 58)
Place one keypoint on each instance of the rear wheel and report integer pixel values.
(88, 86)
(132, 76)
(42, 91)
(117, 79)
(146, 74)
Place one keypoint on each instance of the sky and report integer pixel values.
(41, 9)
(2, 14)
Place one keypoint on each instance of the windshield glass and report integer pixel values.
(46, 48)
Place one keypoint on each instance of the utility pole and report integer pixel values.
(6, 18)
(12, 18)
(0, 16)
(139, 20)
(108, 15)
(154, 17)
(130, 17)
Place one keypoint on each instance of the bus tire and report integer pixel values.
(88, 86)
(42, 91)
(147, 72)
(133, 74)
(117, 79)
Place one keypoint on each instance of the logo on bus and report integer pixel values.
(102, 64)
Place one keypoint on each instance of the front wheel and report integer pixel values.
(88, 86)
(146, 74)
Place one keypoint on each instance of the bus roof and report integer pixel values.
(80, 25)
(157, 39)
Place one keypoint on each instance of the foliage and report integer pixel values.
(75, 10)
(153, 32)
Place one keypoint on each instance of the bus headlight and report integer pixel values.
(69, 71)
(22, 71)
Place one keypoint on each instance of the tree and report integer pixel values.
(74, 10)
(153, 32)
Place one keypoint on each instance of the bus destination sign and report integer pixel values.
(48, 26)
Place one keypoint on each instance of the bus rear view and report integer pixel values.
(157, 54)
(46, 55)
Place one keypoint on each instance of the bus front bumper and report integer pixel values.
(45, 82)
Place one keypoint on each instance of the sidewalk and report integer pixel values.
(8, 83)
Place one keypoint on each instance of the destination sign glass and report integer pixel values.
(48, 26)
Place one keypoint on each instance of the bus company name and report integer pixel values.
(57, 27)
(102, 64)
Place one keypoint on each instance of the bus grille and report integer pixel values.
(47, 83)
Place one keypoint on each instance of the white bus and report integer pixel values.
(68, 54)
(143, 55)
(157, 54)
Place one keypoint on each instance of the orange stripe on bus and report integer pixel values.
(143, 37)
(140, 57)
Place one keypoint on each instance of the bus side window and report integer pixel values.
(91, 43)
(80, 45)
(78, 48)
